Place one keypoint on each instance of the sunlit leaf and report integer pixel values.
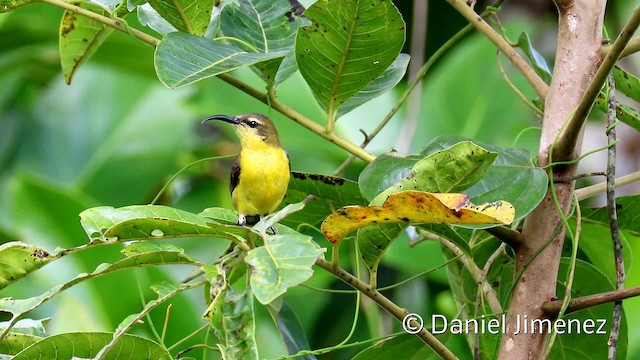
(87, 344)
(80, 38)
(18, 259)
(627, 83)
(450, 170)
(284, 261)
(186, 16)
(182, 59)
(148, 16)
(9, 5)
(347, 46)
(416, 207)
(13, 343)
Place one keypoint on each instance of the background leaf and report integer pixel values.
(348, 45)
(87, 345)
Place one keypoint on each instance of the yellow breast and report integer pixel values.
(264, 177)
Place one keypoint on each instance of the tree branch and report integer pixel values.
(633, 46)
(386, 304)
(564, 150)
(552, 308)
(593, 190)
(538, 256)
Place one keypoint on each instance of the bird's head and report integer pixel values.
(251, 127)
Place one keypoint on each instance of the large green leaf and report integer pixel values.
(182, 59)
(186, 16)
(284, 261)
(136, 222)
(411, 348)
(13, 343)
(453, 169)
(80, 38)
(265, 26)
(18, 259)
(87, 344)
(347, 46)
(383, 83)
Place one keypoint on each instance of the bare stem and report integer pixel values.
(386, 304)
(593, 190)
(613, 219)
(632, 47)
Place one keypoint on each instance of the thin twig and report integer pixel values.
(538, 85)
(388, 305)
(514, 88)
(613, 220)
(579, 176)
(593, 190)
(564, 149)
(632, 47)
(552, 308)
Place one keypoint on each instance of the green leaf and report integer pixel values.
(410, 346)
(13, 343)
(537, 60)
(165, 291)
(383, 83)
(108, 5)
(628, 210)
(137, 222)
(290, 330)
(450, 170)
(283, 262)
(18, 259)
(347, 46)
(234, 321)
(512, 177)
(265, 26)
(187, 16)
(624, 113)
(19, 307)
(80, 38)
(627, 83)
(148, 16)
(329, 193)
(182, 59)
(9, 5)
(87, 344)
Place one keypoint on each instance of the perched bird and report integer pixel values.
(260, 174)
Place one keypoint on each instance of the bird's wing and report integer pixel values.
(288, 159)
(235, 174)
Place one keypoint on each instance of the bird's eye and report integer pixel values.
(253, 124)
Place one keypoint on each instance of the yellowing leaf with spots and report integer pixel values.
(413, 207)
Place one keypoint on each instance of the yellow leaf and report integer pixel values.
(417, 207)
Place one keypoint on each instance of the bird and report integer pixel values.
(260, 174)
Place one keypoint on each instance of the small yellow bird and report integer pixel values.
(260, 174)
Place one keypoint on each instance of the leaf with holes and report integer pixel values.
(80, 38)
(283, 262)
(450, 170)
(416, 207)
(18, 259)
(347, 46)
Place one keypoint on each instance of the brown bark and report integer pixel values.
(577, 59)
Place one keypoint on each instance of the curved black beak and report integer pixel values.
(226, 118)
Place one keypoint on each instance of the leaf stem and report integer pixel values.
(386, 304)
